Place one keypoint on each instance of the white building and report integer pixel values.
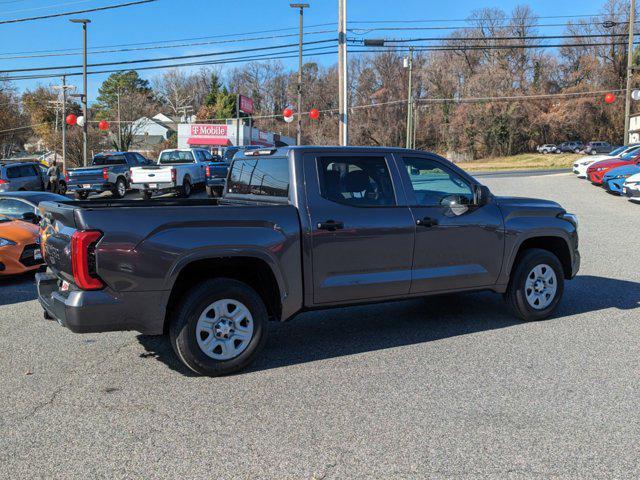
(223, 135)
(634, 128)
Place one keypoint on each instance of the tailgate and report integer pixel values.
(56, 228)
(89, 175)
(151, 174)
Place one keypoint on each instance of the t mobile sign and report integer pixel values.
(202, 130)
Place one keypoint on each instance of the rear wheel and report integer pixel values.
(120, 188)
(536, 285)
(82, 195)
(214, 192)
(185, 190)
(146, 194)
(219, 327)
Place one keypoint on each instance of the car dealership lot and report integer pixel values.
(440, 387)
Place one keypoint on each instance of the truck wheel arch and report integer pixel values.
(555, 244)
(254, 270)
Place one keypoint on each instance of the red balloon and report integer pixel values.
(71, 119)
(609, 98)
(103, 125)
(314, 114)
(287, 112)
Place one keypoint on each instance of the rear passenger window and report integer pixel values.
(356, 181)
(13, 172)
(267, 177)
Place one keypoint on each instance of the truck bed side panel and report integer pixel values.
(144, 249)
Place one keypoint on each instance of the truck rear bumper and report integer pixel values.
(101, 310)
(90, 187)
(154, 186)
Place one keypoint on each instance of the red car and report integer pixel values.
(596, 172)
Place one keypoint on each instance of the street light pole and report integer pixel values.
(627, 102)
(301, 6)
(85, 112)
(343, 120)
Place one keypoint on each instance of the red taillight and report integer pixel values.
(83, 259)
(105, 173)
(66, 177)
(3, 181)
(207, 171)
(173, 175)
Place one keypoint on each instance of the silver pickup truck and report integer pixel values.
(298, 228)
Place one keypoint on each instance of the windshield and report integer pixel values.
(617, 151)
(175, 156)
(102, 160)
(631, 153)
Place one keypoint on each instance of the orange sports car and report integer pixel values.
(19, 246)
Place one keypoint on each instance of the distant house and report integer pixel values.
(148, 133)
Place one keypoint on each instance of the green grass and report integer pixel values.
(524, 161)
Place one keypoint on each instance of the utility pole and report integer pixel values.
(83, 98)
(301, 6)
(63, 90)
(627, 102)
(343, 120)
(408, 63)
(119, 121)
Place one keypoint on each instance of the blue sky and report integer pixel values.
(188, 19)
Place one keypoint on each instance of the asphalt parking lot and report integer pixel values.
(449, 387)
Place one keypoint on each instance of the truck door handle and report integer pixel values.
(330, 225)
(427, 222)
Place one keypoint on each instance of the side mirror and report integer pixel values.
(30, 217)
(482, 195)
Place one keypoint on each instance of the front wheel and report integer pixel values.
(219, 327)
(536, 285)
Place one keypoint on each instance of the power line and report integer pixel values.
(427, 48)
(162, 59)
(158, 47)
(468, 20)
(77, 12)
(45, 7)
(511, 37)
(169, 41)
(188, 64)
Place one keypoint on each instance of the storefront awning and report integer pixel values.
(219, 142)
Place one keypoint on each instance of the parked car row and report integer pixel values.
(591, 148)
(618, 173)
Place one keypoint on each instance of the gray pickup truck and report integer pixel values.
(298, 228)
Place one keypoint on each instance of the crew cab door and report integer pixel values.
(361, 229)
(458, 244)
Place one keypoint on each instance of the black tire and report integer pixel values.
(62, 188)
(120, 188)
(516, 294)
(214, 192)
(145, 194)
(82, 195)
(46, 315)
(182, 330)
(185, 190)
